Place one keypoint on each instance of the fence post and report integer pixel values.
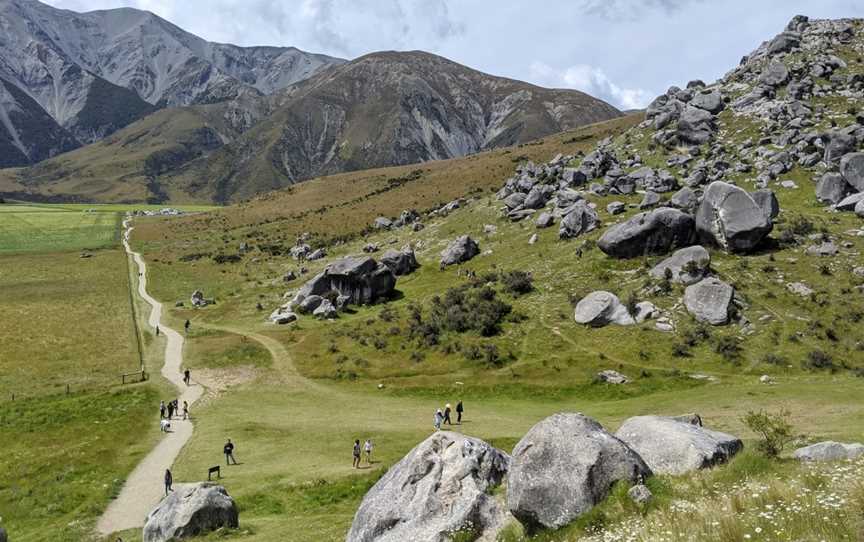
(67, 389)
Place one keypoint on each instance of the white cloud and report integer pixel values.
(591, 80)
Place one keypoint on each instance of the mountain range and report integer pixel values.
(254, 118)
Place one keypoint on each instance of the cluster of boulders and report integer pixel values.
(198, 300)
(408, 217)
(563, 467)
(190, 511)
(348, 281)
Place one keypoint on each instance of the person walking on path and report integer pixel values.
(438, 419)
(161, 410)
(356, 462)
(157, 331)
(367, 446)
(186, 326)
(447, 411)
(171, 410)
(459, 410)
(187, 376)
(228, 450)
(185, 410)
(169, 481)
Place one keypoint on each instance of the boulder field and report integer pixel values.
(564, 466)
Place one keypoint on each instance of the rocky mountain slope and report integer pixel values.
(96, 72)
(27, 133)
(380, 110)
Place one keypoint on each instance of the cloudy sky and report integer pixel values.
(624, 51)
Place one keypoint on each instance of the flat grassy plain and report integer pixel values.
(67, 320)
(294, 420)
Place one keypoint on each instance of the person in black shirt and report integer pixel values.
(229, 452)
(356, 463)
(459, 410)
(169, 481)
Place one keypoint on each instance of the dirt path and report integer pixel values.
(143, 488)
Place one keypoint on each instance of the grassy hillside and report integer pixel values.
(324, 377)
(126, 166)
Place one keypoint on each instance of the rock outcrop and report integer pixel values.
(581, 218)
(829, 451)
(652, 232)
(686, 266)
(730, 218)
(673, 446)
(401, 262)
(441, 486)
(600, 308)
(709, 301)
(563, 467)
(360, 279)
(459, 251)
(191, 511)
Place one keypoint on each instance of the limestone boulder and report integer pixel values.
(459, 250)
(564, 466)
(709, 301)
(402, 261)
(440, 487)
(580, 218)
(852, 170)
(688, 265)
(730, 218)
(675, 446)
(652, 232)
(600, 308)
(191, 511)
(829, 451)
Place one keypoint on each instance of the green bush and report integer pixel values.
(517, 283)
(773, 428)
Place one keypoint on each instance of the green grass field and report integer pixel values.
(67, 320)
(291, 483)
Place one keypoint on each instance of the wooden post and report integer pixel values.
(67, 389)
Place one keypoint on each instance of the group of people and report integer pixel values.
(443, 417)
(168, 411)
(367, 447)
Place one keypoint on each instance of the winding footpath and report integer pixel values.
(144, 487)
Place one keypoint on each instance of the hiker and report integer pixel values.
(186, 325)
(459, 410)
(439, 417)
(161, 410)
(356, 461)
(187, 376)
(169, 481)
(185, 410)
(447, 411)
(228, 450)
(157, 331)
(368, 447)
(171, 410)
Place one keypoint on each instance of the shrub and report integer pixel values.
(728, 348)
(817, 359)
(774, 359)
(774, 429)
(469, 308)
(517, 283)
(226, 258)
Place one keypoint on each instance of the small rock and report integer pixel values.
(640, 494)
(612, 377)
